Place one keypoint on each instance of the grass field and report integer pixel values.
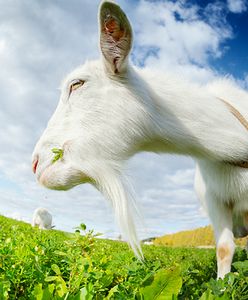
(44, 265)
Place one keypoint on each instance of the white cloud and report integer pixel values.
(237, 6)
(164, 186)
(181, 177)
(175, 36)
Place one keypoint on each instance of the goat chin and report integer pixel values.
(62, 178)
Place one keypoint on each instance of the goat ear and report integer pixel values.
(115, 37)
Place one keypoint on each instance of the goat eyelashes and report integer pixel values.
(77, 83)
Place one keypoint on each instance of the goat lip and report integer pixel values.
(34, 165)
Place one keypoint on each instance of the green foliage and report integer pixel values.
(233, 286)
(163, 285)
(52, 265)
(58, 154)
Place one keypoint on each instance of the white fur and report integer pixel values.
(42, 218)
(121, 110)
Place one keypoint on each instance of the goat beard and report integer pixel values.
(117, 189)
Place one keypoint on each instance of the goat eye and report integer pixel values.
(76, 84)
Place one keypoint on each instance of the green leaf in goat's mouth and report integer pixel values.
(58, 154)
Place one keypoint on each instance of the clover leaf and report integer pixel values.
(58, 154)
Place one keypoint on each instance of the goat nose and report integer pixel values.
(35, 164)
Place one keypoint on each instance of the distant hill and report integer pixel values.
(202, 236)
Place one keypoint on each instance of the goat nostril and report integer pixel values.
(34, 165)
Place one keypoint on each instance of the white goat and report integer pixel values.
(42, 218)
(109, 110)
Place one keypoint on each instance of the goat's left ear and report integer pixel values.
(115, 37)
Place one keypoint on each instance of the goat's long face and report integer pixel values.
(96, 125)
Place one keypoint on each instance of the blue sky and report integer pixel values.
(235, 60)
(41, 41)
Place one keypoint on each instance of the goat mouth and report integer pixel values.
(35, 164)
